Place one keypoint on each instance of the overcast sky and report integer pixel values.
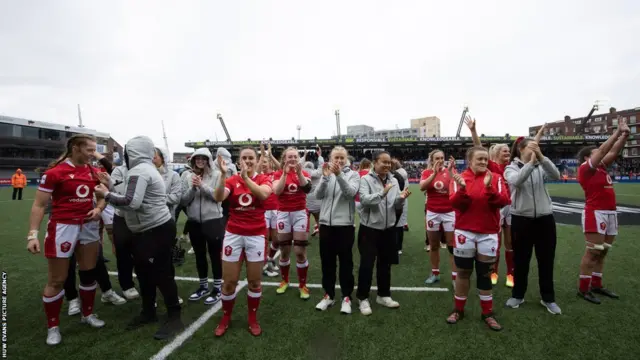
(268, 66)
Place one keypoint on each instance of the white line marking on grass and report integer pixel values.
(319, 286)
(186, 334)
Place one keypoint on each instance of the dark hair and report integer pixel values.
(517, 146)
(248, 148)
(377, 155)
(585, 152)
(472, 150)
(159, 152)
(75, 140)
(365, 163)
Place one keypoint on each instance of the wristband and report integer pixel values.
(33, 235)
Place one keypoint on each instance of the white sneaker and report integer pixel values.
(74, 309)
(112, 297)
(387, 301)
(399, 252)
(191, 252)
(325, 303)
(365, 307)
(93, 321)
(346, 306)
(131, 294)
(180, 301)
(53, 336)
(514, 303)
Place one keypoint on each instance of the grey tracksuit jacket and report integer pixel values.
(337, 194)
(529, 195)
(378, 210)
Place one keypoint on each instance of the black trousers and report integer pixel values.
(527, 235)
(399, 237)
(101, 272)
(153, 261)
(376, 247)
(206, 238)
(336, 243)
(122, 240)
(179, 210)
(17, 191)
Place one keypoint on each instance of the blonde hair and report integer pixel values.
(75, 140)
(431, 154)
(495, 149)
(336, 149)
(284, 154)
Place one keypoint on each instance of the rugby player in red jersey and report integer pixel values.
(244, 237)
(267, 166)
(291, 184)
(478, 195)
(440, 215)
(72, 228)
(599, 217)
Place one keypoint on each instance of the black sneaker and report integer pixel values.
(606, 292)
(213, 297)
(169, 329)
(199, 294)
(141, 320)
(589, 297)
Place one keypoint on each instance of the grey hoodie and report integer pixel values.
(173, 184)
(529, 195)
(118, 175)
(338, 195)
(379, 211)
(199, 202)
(405, 208)
(226, 156)
(313, 203)
(144, 196)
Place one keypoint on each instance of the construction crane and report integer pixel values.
(166, 143)
(224, 127)
(464, 113)
(580, 128)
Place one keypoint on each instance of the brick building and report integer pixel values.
(599, 124)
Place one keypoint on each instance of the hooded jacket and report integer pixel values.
(118, 176)
(313, 203)
(144, 196)
(529, 195)
(226, 156)
(172, 182)
(337, 194)
(378, 210)
(199, 202)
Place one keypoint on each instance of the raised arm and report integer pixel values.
(598, 156)
(613, 154)
(349, 184)
(261, 191)
(471, 124)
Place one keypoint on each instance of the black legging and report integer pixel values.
(102, 277)
(154, 267)
(207, 237)
(122, 238)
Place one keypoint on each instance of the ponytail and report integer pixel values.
(75, 140)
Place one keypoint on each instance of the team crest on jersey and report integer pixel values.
(292, 187)
(227, 250)
(65, 247)
(245, 199)
(462, 239)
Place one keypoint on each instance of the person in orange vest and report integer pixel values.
(18, 182)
